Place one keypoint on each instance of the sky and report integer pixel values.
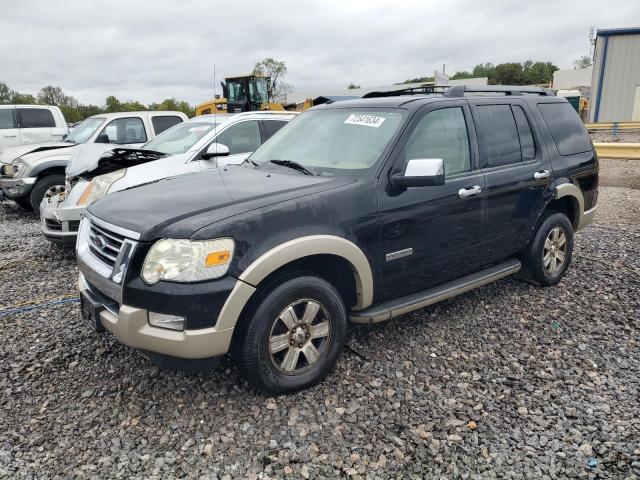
(152, 50)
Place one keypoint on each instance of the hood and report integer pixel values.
(8, 155)
(100, 158)
(179, 206)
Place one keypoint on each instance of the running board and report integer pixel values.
(395, 308)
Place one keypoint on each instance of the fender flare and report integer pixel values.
(35, 171)
(570, 190)
(288, 252)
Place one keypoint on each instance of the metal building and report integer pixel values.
(615, 87)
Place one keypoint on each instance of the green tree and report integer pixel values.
(353, 86)
(51, 95)
(112, 104)
(509, 74)
(276, 71)
(484, 70)
(583, 62)
(173, 104)
(18, 98)
(539, 72)
(418, 80)
(462, 75)
(5, 93)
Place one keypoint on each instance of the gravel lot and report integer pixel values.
(508, 381)
(623, 136)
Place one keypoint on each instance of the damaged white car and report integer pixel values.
(204, 142)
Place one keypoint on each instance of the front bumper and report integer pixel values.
(130, 326)
(59, 222)
(17, 187)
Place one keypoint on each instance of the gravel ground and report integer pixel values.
(623, 136)
(508, 381)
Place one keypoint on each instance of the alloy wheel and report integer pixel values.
(299, 336)
(555, 250)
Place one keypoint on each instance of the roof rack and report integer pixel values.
(421, 90)
(461, 90)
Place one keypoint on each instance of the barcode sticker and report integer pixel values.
(367, 120)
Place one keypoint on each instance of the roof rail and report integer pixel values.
(461, 90)
(420, 90)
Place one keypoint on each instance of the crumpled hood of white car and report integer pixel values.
(86, 157)
(45, 149)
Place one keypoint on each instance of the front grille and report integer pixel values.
(74, 225)
(105, 244)
(52, 224)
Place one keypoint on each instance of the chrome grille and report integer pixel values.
(105, 244)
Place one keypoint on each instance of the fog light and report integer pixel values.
(172, 322)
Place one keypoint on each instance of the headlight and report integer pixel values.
(187, 260)
(99, 186)
(15, 169)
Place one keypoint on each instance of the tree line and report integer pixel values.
(511, 73)
(74, 111)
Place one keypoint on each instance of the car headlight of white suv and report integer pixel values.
(14, 169)
(187, 260)
(99, 186)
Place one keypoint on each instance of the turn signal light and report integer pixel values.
(217, 258)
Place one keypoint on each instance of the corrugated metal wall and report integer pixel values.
(620, 77)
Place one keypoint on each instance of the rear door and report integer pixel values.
(35, 124)
(517, 172)
(9, 132)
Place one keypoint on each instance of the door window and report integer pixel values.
(7, 120)
(499, 141)
(242, 137)
(161, 123)
(125, 130)
(35, 118)
(441, 134)
(272, 126)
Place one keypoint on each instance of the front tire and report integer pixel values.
(292, 335)
(546, 259)
(49, 185)
(23, 203)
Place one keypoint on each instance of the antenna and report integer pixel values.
(215, 105)
(592, 40)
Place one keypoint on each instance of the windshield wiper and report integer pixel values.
(293, 165)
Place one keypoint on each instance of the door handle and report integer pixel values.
(539, 175)
(11, 136)
(469, 191)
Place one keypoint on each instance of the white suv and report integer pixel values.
(24, 124)
(202, 143)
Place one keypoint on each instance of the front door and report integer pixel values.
(517, 173)
(429, 235)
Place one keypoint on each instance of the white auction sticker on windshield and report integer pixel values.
(199, 129)
(367, 120)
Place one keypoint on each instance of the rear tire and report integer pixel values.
(546, 259)
(44, 185)
(292, 334)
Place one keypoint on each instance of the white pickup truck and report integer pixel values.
(25, 124)
(31, 172)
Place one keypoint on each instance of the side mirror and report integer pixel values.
(216, 150)
(420, 172)
(102, 138)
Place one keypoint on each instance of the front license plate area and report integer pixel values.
(90, 312)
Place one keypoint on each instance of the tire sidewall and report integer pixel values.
(41, 187)
(536, 254)
(268, 311)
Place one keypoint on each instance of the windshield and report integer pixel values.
(337, 141)
(237, 91)
(83, 132)
(179, 138)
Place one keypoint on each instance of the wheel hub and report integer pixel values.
(555, 250)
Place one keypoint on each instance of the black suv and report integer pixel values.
(358, 210)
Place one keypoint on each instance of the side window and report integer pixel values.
(125, 130)
(160, 124)
(441, 134)
(7, 119)
(527, 145)
(499, 141)
(272, 126)
(566, 128)
(242, 137)
(35, 118)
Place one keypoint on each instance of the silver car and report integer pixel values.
(204, 142)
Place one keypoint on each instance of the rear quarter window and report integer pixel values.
(272, 126)
(7, 119)
(567, 130)
(35, 118)
(162, 123)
